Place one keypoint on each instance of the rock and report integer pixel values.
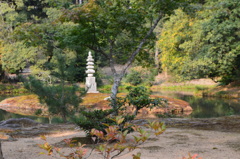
(5, 137)
(12, 125)
(6, 129)
(187, 109)
(19, 122)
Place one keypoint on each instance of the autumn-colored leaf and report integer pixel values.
(43, 137)
(138, 156)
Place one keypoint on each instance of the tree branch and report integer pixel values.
(98, 50)
(133, 55)
(111, 60)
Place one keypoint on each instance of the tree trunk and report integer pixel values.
(64, 117)
(135, 112)
(63, 96)
(116, 84)
(118, 76)
(156, 58)
(1, 154)
(5, 76)
(79, 1)
(50, 119)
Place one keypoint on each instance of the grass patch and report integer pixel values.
(197, 90)
(183, 87)
(107, 88)
(121, 89)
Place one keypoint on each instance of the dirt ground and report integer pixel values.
(173, 144)
(217, 138)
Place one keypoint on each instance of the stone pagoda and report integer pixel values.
(91, 85)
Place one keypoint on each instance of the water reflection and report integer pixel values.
(210, 107)
(206, 107)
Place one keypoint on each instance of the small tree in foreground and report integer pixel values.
(58, 94)
(59, 99)
(138, 97)
(116, 141)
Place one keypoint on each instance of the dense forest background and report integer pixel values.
(194, 40)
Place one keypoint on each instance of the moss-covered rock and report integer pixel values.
(176, 106)
(24, 105)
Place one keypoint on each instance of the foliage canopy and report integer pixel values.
(204, 43)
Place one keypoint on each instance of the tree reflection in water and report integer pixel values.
(204, 107)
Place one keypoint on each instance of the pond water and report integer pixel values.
(205, 107)
(202, 107)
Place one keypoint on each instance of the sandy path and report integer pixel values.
(173, 144)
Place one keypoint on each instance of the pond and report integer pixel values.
(202, 107)
(205, 107)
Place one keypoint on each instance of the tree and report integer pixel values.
(8, 18)
(119, 30)
(175, 31)
(12, 61)
(221, 42)
(60, 97)
(31, 41)
(38, 40)
(204, 43)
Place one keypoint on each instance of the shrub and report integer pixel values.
(97, 119)
(134, 78)
(139, 75)
(109, 149)
(76, 153)
(139, 97)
